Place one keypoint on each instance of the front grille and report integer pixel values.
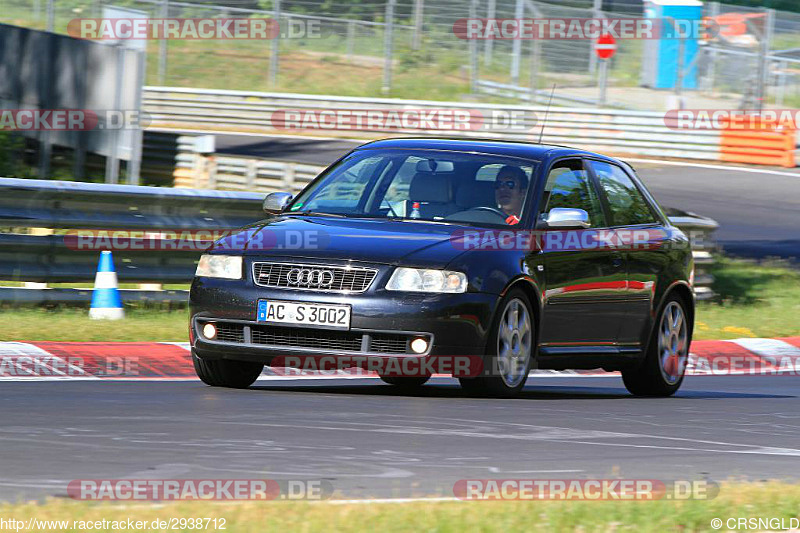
(313, 277)
(228, 332)
(307, 338)
(383, 343)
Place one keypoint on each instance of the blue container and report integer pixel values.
(660, 60)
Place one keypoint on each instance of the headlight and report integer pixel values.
(220, 266)
(427, 280)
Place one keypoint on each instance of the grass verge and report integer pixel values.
(754, 301)
(767, 501)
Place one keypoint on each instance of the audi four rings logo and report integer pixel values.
(310, 278)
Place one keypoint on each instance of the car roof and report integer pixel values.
(525, 150)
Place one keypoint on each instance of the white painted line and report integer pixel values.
(711, 166)
(768, 347)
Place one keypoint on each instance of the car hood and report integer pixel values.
(418, 243)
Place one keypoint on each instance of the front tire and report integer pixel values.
(662, 371)
(225, 373)
(509, 352)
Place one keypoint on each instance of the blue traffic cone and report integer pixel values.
(106, 302)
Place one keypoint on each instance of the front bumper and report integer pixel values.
(454, 324)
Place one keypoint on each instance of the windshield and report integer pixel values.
(425, 185)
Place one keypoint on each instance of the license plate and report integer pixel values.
(306, 314)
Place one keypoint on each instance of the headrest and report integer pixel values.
(431, 187)
(474, 193)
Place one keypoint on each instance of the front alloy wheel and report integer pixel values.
(509, 351)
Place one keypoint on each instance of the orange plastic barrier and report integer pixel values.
(755, 140)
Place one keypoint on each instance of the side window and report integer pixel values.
(628, 206)
(568, 186)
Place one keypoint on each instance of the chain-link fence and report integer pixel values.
(409, 48)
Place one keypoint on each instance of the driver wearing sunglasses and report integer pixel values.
(509, 192)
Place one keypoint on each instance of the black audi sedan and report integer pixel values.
(516, 256)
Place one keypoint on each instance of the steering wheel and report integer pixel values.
(493, 210)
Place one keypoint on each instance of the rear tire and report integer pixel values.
(509, 352)
(662, 371)
(225, 373)
(406, 382)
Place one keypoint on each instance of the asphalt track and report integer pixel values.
(758, 213)
(369, 440)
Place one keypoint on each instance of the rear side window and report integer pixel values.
(628, 205)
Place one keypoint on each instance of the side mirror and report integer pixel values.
(564, 218)
(276, 202)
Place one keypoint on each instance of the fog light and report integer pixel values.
(209, 331)
(419, 346)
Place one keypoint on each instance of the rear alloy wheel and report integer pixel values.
(406, 382)
(662, 371)
(509, 351)
(225, 373)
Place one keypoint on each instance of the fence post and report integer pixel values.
(473, 52)
(388, 30)
(488, 44)
(51, 15)
(516, 47)
(419, 6)
(535, 58)
(273, 58)
(112, 160)
(351, 38)
(712, 62)
(162, 47)
(536, 54)
(597, 12)
(763, 60)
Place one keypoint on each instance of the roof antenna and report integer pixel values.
(546, 111)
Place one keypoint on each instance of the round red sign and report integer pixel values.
(605, 46)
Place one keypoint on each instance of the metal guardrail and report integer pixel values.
(700, 230)
(59, 206)
(607, 130)
(68, 204)
(57, 256)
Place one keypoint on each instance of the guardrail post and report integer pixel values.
(212, 172)
(288, 177)
(250, 173)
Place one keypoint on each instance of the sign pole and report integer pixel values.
(603, 81)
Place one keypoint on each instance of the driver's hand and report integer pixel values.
(512, 220)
